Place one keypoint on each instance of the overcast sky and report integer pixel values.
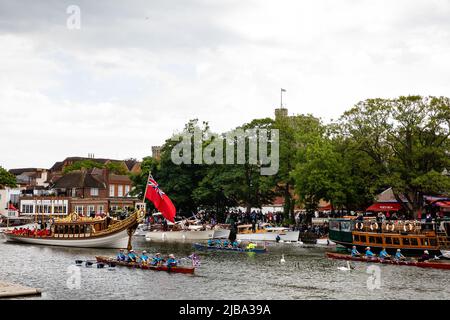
(137, 71)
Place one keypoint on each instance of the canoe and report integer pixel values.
(178, 269)
(425, 264)
(200, 246)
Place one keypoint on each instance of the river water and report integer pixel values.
(306, 274)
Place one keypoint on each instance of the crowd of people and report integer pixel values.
(31, 232)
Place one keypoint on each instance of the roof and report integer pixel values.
(20, 171)
(79, 179)
(388, 196)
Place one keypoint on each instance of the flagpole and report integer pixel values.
(281, 96)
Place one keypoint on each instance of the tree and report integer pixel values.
(83, 164)
(7, 179)
(407, 140)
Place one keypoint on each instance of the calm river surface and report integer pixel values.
(307, 274)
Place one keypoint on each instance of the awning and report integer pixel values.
(384, 207)
(442, 204)
(328, 207)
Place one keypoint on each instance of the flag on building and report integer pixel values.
(160, 200)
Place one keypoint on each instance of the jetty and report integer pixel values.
(11, 290)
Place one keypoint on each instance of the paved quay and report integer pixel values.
(11, 290)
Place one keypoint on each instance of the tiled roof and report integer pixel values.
(79, 179)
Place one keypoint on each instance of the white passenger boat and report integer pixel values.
(82, 232)
(188, 234)
(266, 232)
(325, 242)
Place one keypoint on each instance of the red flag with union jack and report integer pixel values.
(160, 200)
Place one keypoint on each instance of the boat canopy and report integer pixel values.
(384, 207)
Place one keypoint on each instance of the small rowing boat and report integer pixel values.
(178, 269)
(435, 264)
(200, 246)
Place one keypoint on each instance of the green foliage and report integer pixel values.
(7, 179)
(116, 168)
(82, 164)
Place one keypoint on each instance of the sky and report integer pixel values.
(136, 71)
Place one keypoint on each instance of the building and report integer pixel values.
(9, 202)
(156, 152)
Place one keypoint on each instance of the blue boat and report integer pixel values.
(200, 246)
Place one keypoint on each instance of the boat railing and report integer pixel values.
(118, 226)
(397, 227)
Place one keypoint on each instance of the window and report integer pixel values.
(27, 208)
(356, 238)
(378, 240)
(91, 210)
(371, 239)
(334, 225)
(363, 238)
(79, 209)
(111, 190)
(406, 242)
(127, 190)
(114, 208)
(120, 191)
(94, 192)
(414, 242)
(396, 241)
(74, 192)
(388, 240)
(101, 209)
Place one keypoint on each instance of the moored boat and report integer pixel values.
(82, 232)
(434, 264)
(177, 269)
(200, 246)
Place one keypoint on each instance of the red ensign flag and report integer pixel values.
(160, 200)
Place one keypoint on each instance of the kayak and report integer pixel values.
(178, 269)
(435, 264)
(200, 246)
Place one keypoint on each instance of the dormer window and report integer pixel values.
(94, 192)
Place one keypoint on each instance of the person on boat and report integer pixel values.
(355, 252)
(144, 258)
(172, 262)
(235, 244)
(218, 243)
(369, 253)
(132, 257)
(121, 256)
(225, 243)
(425, 256)
(384, 255)
(156, 260)
(210, 242)
(399, 255)
(251, 245)
(278, 238)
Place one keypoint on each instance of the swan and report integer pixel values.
(282, 259)
(348, 268)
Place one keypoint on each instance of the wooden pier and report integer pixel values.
(11, 290)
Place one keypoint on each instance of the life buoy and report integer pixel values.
(390, 226)
(410, 227)
(359, 225)
(372, 226)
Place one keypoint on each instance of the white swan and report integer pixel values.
(282, 259)
(348, 268)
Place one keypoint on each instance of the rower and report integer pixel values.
(355, 252)
(144, 258)
(369, 254)
(172, 262)
(218, 243)
(235, 244)
(383, 254)
(132, 257)
(399, 255)
(225, 243)
(251, 245)
(121, 256)
(210, 242)
(157, 260)
(425, 256)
